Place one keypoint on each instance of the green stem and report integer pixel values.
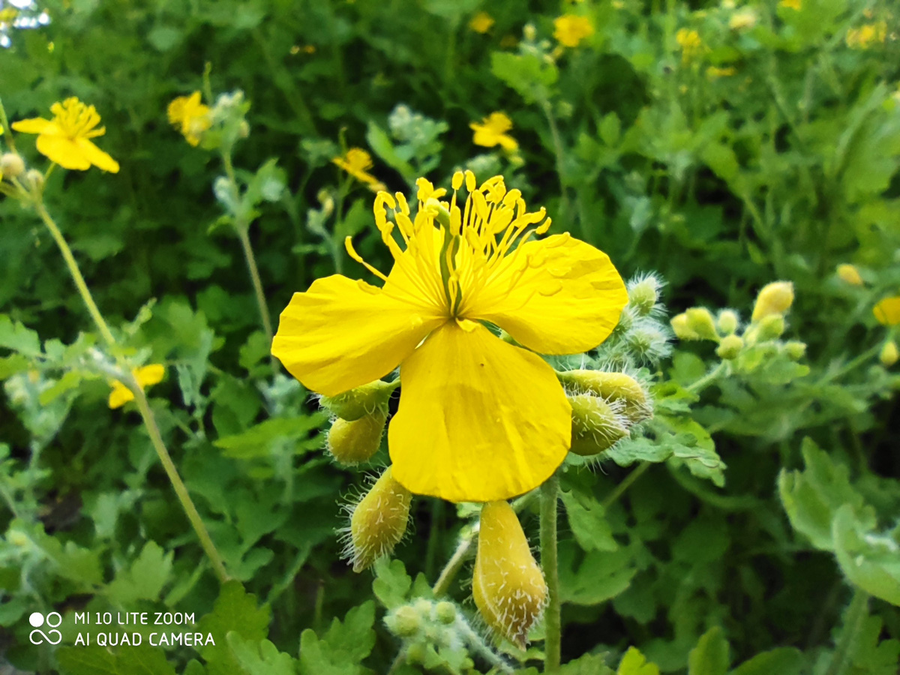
(180, 490)
(853, 624)
(76, 273)
(550, 563)
(560, 159)
(707, 379)
(613, 496)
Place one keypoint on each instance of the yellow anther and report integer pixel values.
(401, 200)
(471, 183)
(457, 180)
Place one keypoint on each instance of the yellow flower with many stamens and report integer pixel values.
(479, 419)
(190, 116)
(66, 138)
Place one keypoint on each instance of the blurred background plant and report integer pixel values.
(724, 146)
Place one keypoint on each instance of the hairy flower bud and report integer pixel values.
(356, 403)
(596, 425)
(643, 294)
(354, 442)
(445, 612)
(11, 165)
(849, 274)
(378, 522)
(612, 387)
(728, 322)
(508, 586)
(795, 350)
(701, 322)
(681, 328)
(34, 180)
(771, 327)
(404, 622)
(730, 347)
(889, 354)
(774, 298)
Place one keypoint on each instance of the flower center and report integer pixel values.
(453, 254)
(76, 120)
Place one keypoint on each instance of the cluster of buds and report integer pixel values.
(358, 424)
(378, 522)
(767, 325)
(605, 405)
(426, 627)
(640, 336)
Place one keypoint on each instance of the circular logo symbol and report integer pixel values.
(37, 636)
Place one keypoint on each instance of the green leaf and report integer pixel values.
(146, 577)
(392, 583)
(588, 523)
(529, 74)
(234, 610)
(599, 577)
(354, 636)
(67, 382)
(18, 338)
(635, 663)
(381, 144)
(711, 655)
(610, 129)
(143, 661)
(260, 658)
(257, 440)
(87, 661)
(784, 661)
(869, 560)
(586, 664)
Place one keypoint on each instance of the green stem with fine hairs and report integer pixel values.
(550, 563)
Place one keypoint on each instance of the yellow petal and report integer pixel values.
(63, 151)
(567, 301)
(119, 396)
(342, 333)
(96, 156)
(479, 419)
(35, 125)
(888, 311)
(149, 375)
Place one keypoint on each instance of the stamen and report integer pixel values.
(348, 244)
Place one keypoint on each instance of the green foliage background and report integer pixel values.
(787, 562)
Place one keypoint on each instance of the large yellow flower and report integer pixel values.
(190, 116)
(66, 138)
(479, 419)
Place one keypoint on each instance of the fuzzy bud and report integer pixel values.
(700, 321)
(795, 350)
(11, 165)
(378, 522)
(445, 612)
(774, 298)
(643, 294)
(596, 426)
(404, 622)
(889, 354)
(34, 180)
(771, 327)
(356, 403)
(730, 347)
(508, 586)
(728, 321)
(849, 275)
(612, 387)
(354, 442)
(680, 326)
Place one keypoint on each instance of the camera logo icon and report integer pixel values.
(52, 636)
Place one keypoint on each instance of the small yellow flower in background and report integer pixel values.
(865, 36)
(889, 354)
(66, 138)
(190, 116)
(791, 4)
(774, 298)
(570, 29)
(492, 131)
(357, 162)
(146, 376)
(743, 19)
(691, 44)
(888, 311)
(714, 73)
(481, 22)
(849, 274)
(479, 419)
(8, 14)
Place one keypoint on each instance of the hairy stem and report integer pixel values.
(550, 563)
(853, 623)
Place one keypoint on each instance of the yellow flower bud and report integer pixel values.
(728, 321)
(771, 327)
(378, 522)
(730, 347)
(612, 387)
(849, 274)
(508, 586)
(596, 425)
(774, 298)
(356, 403)
(701, 322)
(889, 354)
(356, 441)
(681, 328)
(11, 165)
(795, 350)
